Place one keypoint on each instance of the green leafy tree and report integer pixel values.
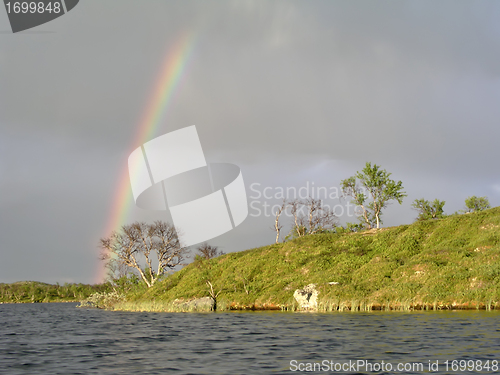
(473, 204)
(379, 188)
(429, 210)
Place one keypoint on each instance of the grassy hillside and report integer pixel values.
(34, 291)
(446, 263)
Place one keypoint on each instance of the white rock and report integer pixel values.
(307, 297)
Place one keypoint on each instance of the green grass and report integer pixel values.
(34, 291)
(437, 264)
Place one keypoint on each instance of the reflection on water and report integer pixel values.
(61, 339)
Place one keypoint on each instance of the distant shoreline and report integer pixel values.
(38, 292)
(18, 303)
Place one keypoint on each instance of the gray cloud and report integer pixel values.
(291, 91)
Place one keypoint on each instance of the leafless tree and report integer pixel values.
(139, 243)
(296, 206)
(310, 217)
(208, 251)
(277, 225)
(212, 291)
(319, 217)
(115, 269)
(245, 283)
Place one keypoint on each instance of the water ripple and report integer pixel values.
(61, 339)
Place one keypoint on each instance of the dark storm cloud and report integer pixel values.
(291, 91)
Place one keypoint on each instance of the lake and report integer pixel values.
(59, 338)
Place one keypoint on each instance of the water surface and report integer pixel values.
(59, 338)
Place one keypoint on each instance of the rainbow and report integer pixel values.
(172, 71)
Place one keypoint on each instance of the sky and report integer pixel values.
(295, 93)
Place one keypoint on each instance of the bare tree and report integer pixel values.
(208, 251)
(139, 243)
(298, 218)
(319, 217)
(211, 290)
(213, 294)
(277, 225)
(310, 217)
(115, 269)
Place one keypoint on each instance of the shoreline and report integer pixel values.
(169, 307)
(223, 306)
(30, 302)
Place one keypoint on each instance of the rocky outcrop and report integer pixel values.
(307, 297)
